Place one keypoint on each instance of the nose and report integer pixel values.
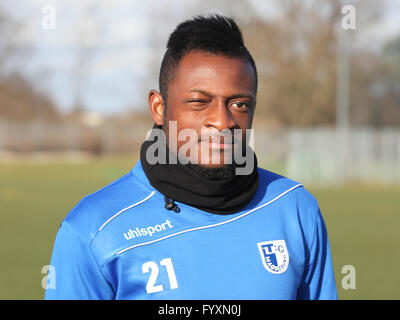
(220, 116)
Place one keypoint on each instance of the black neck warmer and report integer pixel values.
(218, 191)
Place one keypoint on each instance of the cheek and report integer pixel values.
(244, 120)
(181, 131)
(184, 120)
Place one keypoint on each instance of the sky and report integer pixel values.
(115, 47)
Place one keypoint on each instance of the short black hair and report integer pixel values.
(215, 34)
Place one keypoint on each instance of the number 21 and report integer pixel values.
(152, 267)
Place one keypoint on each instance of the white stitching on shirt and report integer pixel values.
(211, 225)
(127, 208)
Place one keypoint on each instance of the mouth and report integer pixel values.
(221, 146)
(218, 142)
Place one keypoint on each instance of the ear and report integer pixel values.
(156, 106)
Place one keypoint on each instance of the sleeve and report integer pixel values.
(319, 279)
(77, 274)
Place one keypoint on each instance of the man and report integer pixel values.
(186, 223)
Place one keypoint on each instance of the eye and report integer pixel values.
(197, 104)
(240, 104)
(197, 101)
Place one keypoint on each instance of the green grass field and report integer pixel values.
(362, 221)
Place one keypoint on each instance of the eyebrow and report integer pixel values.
(239, 95)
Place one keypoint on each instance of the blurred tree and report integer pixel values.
(9, 48)
(388, 77)
(19, 99)
(86, 43)
(376, 82)
(296, 55)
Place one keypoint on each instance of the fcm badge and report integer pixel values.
(274, 255)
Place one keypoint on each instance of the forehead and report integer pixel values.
(214, 73)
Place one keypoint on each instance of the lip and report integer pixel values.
(218, 145)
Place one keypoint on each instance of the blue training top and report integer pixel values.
(121, 243)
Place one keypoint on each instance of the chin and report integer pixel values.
(214, 171)
(215, 159)
(215, 165)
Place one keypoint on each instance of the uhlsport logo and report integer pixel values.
(274, 255)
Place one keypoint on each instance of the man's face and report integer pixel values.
(210, 93)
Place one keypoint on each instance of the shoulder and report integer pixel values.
(293, 193)
(292, 201)
(95, 209)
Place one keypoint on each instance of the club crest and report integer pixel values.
(274, 255)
